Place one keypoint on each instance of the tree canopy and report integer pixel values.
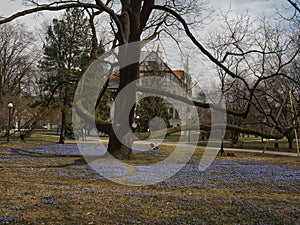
(65, 54)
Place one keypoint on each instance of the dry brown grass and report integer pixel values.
(43, 189)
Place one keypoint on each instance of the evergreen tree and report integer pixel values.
(66, 52)
(149, 108)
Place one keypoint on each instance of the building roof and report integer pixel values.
(151, 57)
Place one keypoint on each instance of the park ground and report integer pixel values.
(46, 183)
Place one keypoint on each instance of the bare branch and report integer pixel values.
(294, 4)
(145, 13)
(246, 53)
(47, 8)
(56, 6)
(199, 45)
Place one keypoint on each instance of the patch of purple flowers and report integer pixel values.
(235, 173)
(58, 150)
(6, 219)
(72, 149)
(51, 200)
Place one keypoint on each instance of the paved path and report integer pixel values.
(261, 151)
(146, 144)
(225, 149)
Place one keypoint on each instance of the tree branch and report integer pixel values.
(86, 116)
(294, 4)
(198, 44)
(245, 53)
(65, 5)
(47, 8)
(191, 102)
(145, 13)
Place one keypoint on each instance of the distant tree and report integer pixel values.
(66, 53)
(262, 55)
(17, 71)
(274, 104)
(149, 108)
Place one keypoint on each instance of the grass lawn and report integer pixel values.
(245, 142)
(45, 183)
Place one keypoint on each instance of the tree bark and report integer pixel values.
(234, 136)
(62, 127)
(130, 20)
(121, 149)
(290, 141)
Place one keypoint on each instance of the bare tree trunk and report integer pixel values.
(63, 120)
(130, 19)
(62, 127)
(290, 137)
(120, 146)
(118, 149)
(234, 137)
(290, 141)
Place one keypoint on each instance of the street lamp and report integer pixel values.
(189, 131)
(10, 105)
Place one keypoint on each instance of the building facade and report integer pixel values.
(176, 82)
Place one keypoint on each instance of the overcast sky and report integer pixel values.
(254, 8)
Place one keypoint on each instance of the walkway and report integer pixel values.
(225, 149)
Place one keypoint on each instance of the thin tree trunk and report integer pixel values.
(63, 119)
(234, 137)
(62, 127)
(290, 141)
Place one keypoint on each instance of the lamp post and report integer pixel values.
(189, 131)
(10, 105)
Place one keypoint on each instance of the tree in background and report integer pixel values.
(149, 108)
(274, 106)
(66, 53)
(17, 73)
(262, 55)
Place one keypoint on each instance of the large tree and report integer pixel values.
(66, 52)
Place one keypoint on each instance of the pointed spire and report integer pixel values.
(158, 53)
